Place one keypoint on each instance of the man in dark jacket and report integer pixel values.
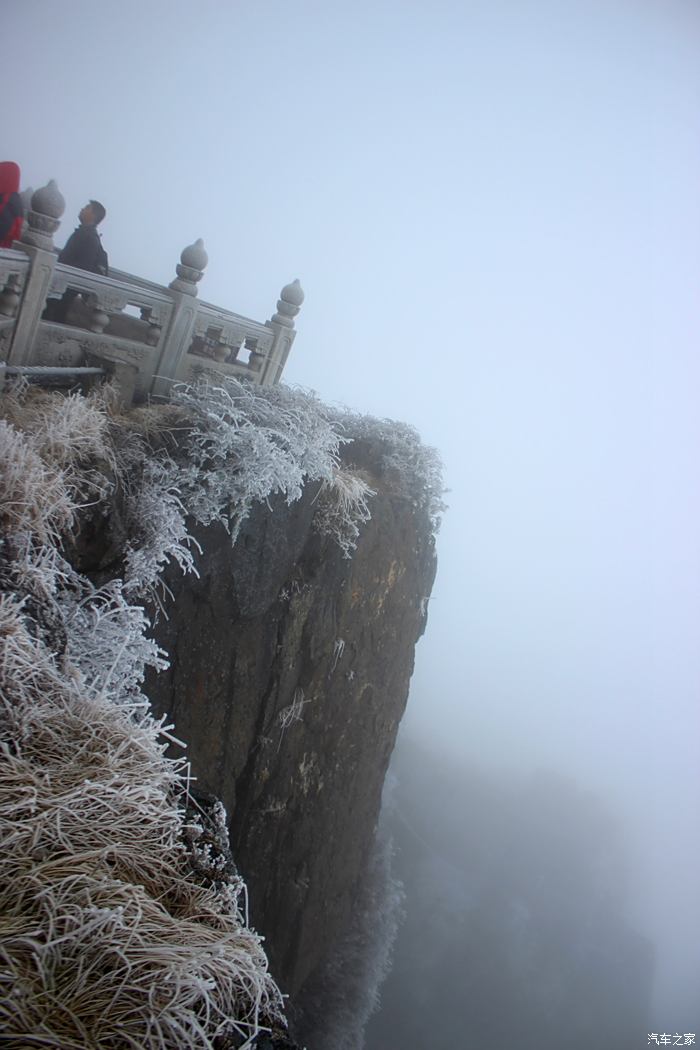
(84, 248)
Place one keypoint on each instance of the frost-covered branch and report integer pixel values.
(246, 444)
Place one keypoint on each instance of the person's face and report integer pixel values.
(86, 215)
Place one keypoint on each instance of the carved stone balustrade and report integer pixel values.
(226, 342)
(147, 334)
(115, 296)
(14, 267)
(97, 322)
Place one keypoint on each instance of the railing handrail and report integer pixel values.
(221, 313)
(124, 282)
(133, 278)
(14, 255)
(88, 279)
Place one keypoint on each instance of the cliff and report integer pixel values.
(284, 553)
(289, 673)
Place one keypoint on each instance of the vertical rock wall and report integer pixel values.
(290, 668)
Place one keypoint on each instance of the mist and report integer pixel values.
(515, 931)
(493, 211)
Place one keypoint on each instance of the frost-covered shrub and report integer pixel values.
(72, 433)
(107, 642)
(415, 467)
(342, 508)
(156, 530)
(105, 938)
(69, 430)
(247, 443)
(234, 444)
(34, 496)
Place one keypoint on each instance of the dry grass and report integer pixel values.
(34, 497)
(108, 936)
(343, 508)
(106, 940)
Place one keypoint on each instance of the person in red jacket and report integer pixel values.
(11, 211)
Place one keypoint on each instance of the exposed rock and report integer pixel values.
(290, 668)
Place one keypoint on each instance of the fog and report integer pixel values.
(493, 210)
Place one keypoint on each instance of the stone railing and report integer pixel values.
(14, 267)
(145, 334)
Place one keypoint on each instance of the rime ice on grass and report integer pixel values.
(416, 467)
(106, 936)
(343, 508)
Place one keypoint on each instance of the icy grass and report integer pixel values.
(106, 939)
(108, 935)
(414, 468)
(343, 507)
(234, 445)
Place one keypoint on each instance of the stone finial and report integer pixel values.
(288, 304)
(44, 216)
(190, 269)
(194, 255)
(48, 200)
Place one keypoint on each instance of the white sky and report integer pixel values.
(493, 209)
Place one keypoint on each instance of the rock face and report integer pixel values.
(290, 668)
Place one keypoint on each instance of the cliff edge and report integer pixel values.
(246, 571)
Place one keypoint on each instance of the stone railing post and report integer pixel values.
(42, 221)
(282, 324)
(178, 336)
